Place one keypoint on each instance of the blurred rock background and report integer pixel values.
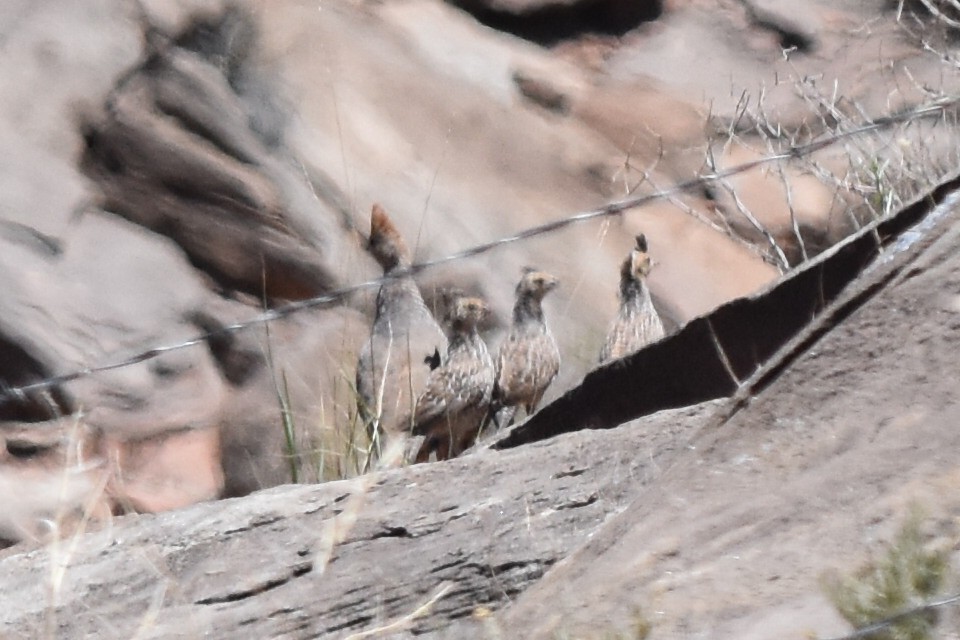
(174, 167)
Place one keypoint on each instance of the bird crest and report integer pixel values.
(642, 242)
(638, 264)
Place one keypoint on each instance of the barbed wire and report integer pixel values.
(9, 394)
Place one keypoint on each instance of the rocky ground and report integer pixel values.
(718, 520)
(174, 168)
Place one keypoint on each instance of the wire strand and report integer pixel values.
(19, 393)
(880, 625)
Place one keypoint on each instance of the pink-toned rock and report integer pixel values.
(169, 471)
(162, 180)
(800, 212)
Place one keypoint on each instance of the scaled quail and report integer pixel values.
(529, 358)
(457, 395)
(637, 323)
(391, 372)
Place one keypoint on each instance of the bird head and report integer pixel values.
(536, 284)
(469, 311)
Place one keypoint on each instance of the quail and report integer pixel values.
(637, 323)
(457, 396)
(529, 358)
(391, 370)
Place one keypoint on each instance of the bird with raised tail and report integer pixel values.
(391, 372)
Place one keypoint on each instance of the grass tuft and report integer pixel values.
(908, 575)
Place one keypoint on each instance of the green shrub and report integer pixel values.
(908, 575)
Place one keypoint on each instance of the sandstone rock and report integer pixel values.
(176, 153)
(795, 477)
(170, 471)
(84, 288)
(240, 143)
(815, 457)
(307, 556)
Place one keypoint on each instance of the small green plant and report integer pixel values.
(291, 451)
(282, 391)
(908, 575)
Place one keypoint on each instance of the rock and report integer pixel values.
(85, 288)
(761, 494)
(854, 416)
(550, 21)
(351, 555)
(803, 225)
(170, 471)
(175, 152)
(51, 482)
(174, 167)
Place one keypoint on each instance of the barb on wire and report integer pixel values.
(935, 108)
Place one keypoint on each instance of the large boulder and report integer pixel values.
(175, 169)
(717, 519)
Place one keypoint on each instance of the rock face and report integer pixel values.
(176, 169)
(195, 203)
(761, 494)
(801, 475)
(307, 555)
(179, 151)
